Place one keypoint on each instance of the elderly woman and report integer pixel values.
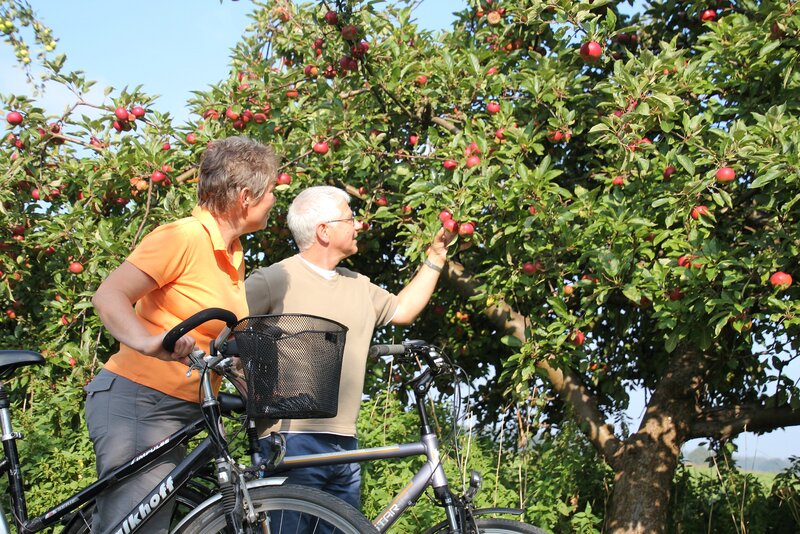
(143, 394)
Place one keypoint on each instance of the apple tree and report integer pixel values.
(626, 184)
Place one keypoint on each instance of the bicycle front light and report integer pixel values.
(475, 483)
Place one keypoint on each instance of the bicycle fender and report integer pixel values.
(492, 511)
(444, 527)
(273, 481)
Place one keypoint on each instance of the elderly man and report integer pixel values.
(325, 230)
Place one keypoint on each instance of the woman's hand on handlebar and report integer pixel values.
(183, 347)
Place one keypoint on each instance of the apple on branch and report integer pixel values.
(591, 51)
(725, 174)
(14, 118)
(780, 280)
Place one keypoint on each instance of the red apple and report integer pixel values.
(413, 139)
(555, 136)
(471, 149)
(283, 179)
(530, 268)
(450, 164)
(491, 70)
(466, 229)
(708, 15)
(577, 338)
(157, 176)
(591, 51)
(699, 211)
(320, 147)
(231, 115)
(473, 161)
(445, 215)
(167, 146)
(349, 32)
(332, 18)
(421, 79)
(675, 295)
(310, 71)
(669, 170)
(618, 180)
(75, 267)
(259, 118)
(191, 138)
(138, 112)
(450, 225)
(780, 280)
(569, 289)
(121, 113)
(14, 118)
(382, 201)
(493, 107)
(726, 174)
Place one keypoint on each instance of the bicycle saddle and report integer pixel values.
(10, 360)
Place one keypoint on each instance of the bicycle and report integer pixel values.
(461, 515)
(243, 503)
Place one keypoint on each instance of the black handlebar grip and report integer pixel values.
(194, 321)
(385, 350)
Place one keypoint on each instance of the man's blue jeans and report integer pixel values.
(342, 481)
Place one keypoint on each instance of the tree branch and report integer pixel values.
(727, 423)
(567, 384)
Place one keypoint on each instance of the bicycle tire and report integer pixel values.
(186, 500)
(272, 504)
(493, 525)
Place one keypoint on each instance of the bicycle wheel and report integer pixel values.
(186, 500)
(493, 525)
(283, 509)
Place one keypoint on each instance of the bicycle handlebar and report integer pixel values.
(386, 350)
(414, 348)
(194, 321)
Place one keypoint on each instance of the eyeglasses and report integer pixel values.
(351, 220)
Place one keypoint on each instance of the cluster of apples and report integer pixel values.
(125, 118)
(464, 229)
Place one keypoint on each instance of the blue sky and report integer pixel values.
(172, 47)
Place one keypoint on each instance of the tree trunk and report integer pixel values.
(645, 465)
(643, 479)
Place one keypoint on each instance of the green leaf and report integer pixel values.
(511, 341)
(769, 47)
(599, 127)
(633, 294)
(767, 177)
(686, 163)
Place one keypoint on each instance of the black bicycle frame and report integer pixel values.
(185, 470)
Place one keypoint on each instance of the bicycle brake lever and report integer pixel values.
(195, 361)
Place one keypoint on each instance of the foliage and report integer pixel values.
(785, 497)
(592, 186)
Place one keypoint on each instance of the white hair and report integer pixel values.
(311, 207)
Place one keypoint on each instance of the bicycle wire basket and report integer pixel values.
(292, 364)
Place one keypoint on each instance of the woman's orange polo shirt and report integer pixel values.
(188, 261)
